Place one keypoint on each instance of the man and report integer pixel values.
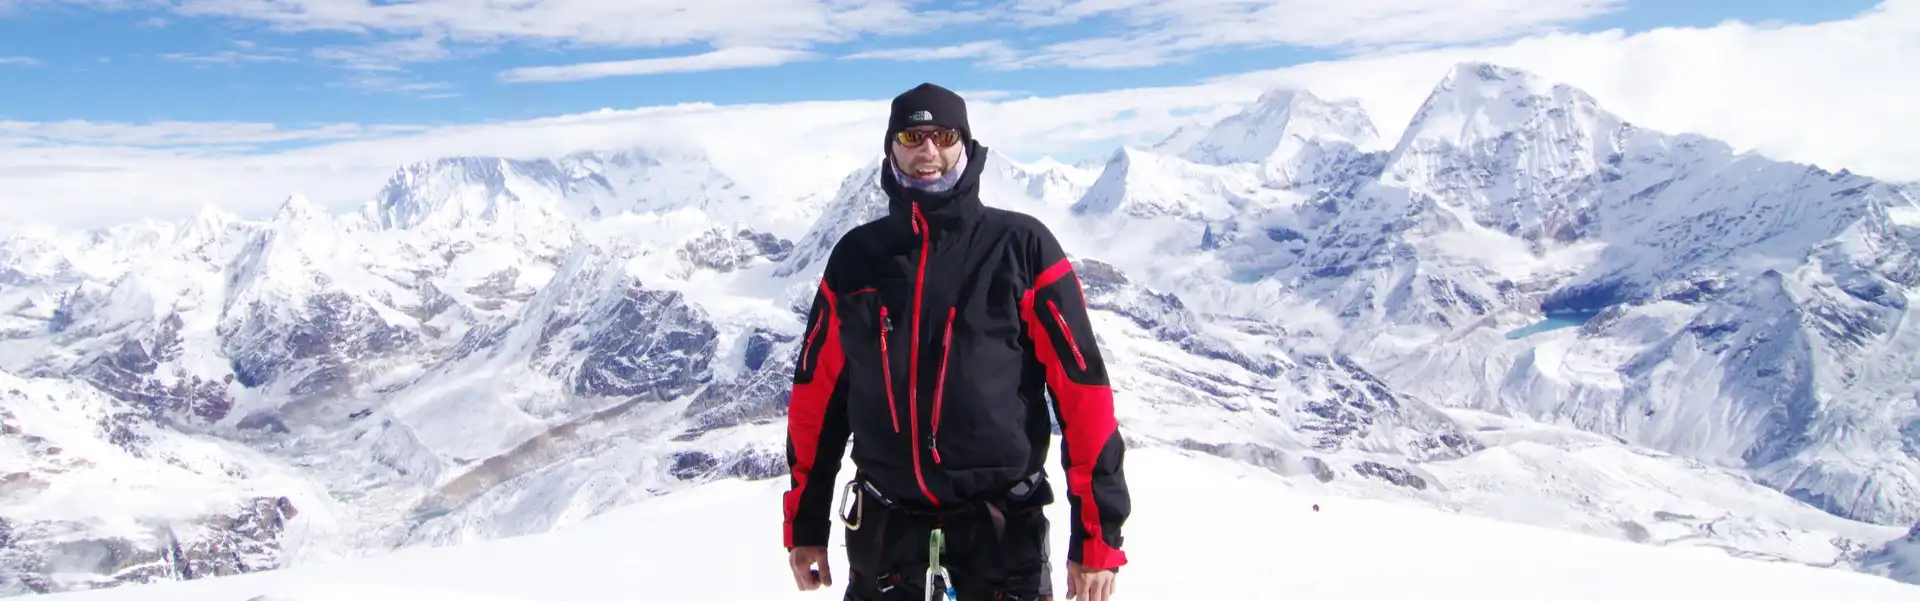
(933, 338)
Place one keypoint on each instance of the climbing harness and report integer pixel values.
(936, 543)
(939, 582)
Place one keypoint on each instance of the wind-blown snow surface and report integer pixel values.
(1204, 528)
(497, 347)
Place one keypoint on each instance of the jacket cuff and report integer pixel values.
(808, 533)
(1096, 555)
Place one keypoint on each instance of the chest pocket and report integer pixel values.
(875, 322)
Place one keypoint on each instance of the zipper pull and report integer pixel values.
(917, 219)
(933, 445)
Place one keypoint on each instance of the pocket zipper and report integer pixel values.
(812, 336)
(1068, 334)
(940, 386)
(886, 371)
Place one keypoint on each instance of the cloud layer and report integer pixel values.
(731, 34)
(1837, 94)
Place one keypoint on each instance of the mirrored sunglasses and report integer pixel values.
(913, 137)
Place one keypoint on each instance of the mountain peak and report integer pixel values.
(551, 194)
(1278, 126)
(209, 222)
(462, 191)
(295, 208)
(1477, 102)
(212, 214)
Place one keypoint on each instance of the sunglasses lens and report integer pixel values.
(942, 138)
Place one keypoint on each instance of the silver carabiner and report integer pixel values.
(851, 496)
(946, 584)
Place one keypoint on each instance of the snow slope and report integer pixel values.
(1202, 528)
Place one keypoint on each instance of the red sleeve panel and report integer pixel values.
(816, 426)
(1056, 316)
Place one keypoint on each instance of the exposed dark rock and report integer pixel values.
(1265, 457)
(757, 395)
(749, 464)
(651, 344)
(327, 344)
(1635, 532)
(132, 372)
(1319, 469)
(693, 464)
(1397, 476)
(720, 251)
(247, 540)
(264, 421)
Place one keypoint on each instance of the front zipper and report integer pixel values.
(1077, 359)
(940, 386)
(913, 354)
(886, 371)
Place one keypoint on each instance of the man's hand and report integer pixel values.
(803, 560)
(1091, 585)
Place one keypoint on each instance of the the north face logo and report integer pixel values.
(920, 116)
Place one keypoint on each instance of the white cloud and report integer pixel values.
(990, 50)
(1133, 33)
(1837, 94)
(387, 83)
(565, 24)
(725, 58)
(225, 57)
(183, 134)
(391, 55)
(1155, 32)
(616, 23)
(19, 61)
(747, 32)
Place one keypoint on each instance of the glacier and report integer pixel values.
(499, 347)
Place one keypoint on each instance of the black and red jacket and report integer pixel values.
(932, 338)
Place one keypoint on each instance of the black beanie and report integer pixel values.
(928, 104)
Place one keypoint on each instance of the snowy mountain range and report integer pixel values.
(1524, 308)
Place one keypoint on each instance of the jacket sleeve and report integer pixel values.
(817, 429)
(1091, 451)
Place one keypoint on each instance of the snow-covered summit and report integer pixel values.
(545, 193)
(1296, 138)
(1539, 150)
(1140, 184)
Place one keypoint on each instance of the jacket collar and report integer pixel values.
(942, 209)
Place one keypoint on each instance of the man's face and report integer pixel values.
(926, 159)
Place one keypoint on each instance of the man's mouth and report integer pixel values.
(926, 172)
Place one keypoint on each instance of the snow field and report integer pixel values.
(1203, 528)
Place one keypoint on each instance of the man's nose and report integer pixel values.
(924, 150)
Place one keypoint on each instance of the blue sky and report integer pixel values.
(295, 62)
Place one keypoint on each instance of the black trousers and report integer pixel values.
(995, 551)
